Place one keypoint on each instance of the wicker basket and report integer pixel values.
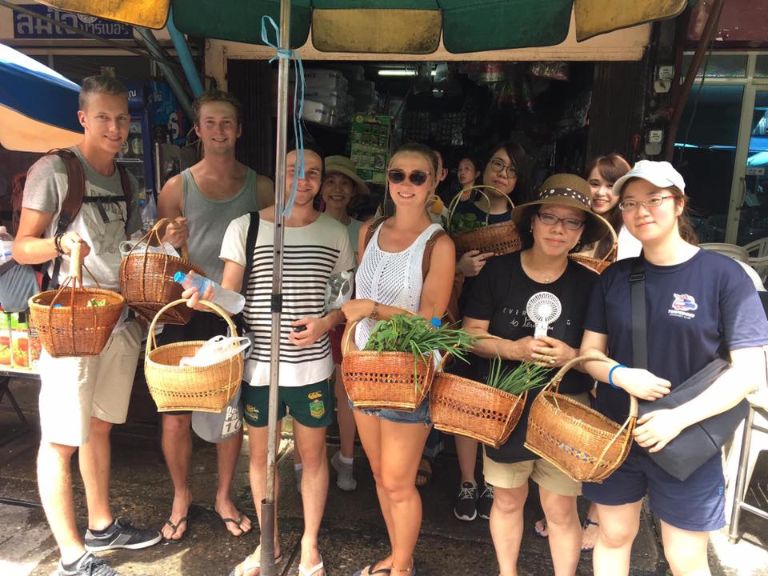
(598, 264)
(67, 326)
(580, 441)
(393, 380)
(198, 388)
(502, 238)
(146, 278)
(462, 406)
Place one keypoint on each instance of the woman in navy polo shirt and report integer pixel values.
(698, 303)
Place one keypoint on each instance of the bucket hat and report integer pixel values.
(570, 191)
(345, 166)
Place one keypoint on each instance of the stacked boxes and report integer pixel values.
(326, 97)
(19, 346)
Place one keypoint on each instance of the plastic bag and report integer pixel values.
(338, 291)
(215, 350)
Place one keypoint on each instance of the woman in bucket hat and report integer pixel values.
(699, 304)
(341, 185)
(551, 227)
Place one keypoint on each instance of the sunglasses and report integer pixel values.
(397, 176)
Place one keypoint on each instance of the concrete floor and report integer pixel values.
(352, 535)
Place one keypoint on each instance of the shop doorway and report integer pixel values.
(722, 148)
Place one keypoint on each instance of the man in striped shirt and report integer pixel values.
(316, 246)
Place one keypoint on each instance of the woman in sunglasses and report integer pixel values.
(506, 174)
(502, 302)
(389, 278)
(699, 306)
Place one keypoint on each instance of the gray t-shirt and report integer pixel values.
(45, 190)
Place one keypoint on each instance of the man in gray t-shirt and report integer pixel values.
(81, 398)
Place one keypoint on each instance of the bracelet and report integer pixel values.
(57, 242)
(610, 375)
(375, 311)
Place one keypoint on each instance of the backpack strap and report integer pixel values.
(372, 229)
(250, 245)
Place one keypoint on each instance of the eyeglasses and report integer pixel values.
(397, 176)
(552, 220)
(653, 202)
(497, 165)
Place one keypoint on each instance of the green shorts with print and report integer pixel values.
(310, 405)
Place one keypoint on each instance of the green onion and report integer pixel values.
(526, 376)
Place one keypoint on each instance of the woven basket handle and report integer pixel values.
(479, 187)
(445, 357)
(155, 236)
(151, 339)
(611, 255)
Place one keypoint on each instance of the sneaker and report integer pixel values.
(88, 565)
(485, 502)
(345, 479)
(120, 534)
(466, 502)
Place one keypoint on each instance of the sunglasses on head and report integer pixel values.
(417, 177)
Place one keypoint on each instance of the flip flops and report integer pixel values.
(367, 570)
(236, 522)
(253, 562)
(312, 571)
(175, 528)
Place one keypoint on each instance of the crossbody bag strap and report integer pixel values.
(639, 328)
(427, 258)
(250, 245)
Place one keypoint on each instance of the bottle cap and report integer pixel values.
(179, 277)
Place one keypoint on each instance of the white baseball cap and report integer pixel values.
(660, 174)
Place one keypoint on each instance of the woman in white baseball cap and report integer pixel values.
(699, 304)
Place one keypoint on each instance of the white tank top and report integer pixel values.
(391, 278)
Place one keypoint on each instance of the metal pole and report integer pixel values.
(268, 504)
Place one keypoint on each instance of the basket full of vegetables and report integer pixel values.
(486, 412)
(397, 366)
(470, 233)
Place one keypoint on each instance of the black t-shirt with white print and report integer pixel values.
(500, 295)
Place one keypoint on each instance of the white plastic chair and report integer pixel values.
(757, 251)
(732, 250)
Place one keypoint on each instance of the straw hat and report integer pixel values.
(569, 191)
(345, 166)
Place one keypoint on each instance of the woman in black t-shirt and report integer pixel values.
(551, 227)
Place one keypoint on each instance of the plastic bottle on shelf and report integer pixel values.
(232, 302)
(6, 245)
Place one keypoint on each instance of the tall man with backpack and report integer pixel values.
(81, 398)
(201, 202)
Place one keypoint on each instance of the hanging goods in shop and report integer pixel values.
(146, 277)
(580, 441)
(200, 388)
(502, 238)
(599, 264)
(73, 320)
(459, 405)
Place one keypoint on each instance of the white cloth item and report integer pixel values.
(629, 246)
(391, 278)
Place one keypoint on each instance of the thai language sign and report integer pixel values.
(27, 26)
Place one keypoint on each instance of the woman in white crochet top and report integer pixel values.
(390, 277)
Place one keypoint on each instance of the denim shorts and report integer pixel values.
(419, 416)
(696, 504)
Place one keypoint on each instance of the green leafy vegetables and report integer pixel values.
(464, 222)
(414, 334)
(526, 376)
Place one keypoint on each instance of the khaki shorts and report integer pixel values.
(74, 389)
(547, 475)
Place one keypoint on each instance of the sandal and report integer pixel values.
(236, 523)
(424, 473)
(175, 527)
(253, 562)
(312, 571)
(584, 527)
(366, 571)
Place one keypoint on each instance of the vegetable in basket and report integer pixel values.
(526, 376)
(415, 335)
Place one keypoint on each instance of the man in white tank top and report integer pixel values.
(201, 201)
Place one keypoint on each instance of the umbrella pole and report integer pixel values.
(268, 504)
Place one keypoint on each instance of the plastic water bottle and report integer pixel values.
(232, 302)
(6, 245)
